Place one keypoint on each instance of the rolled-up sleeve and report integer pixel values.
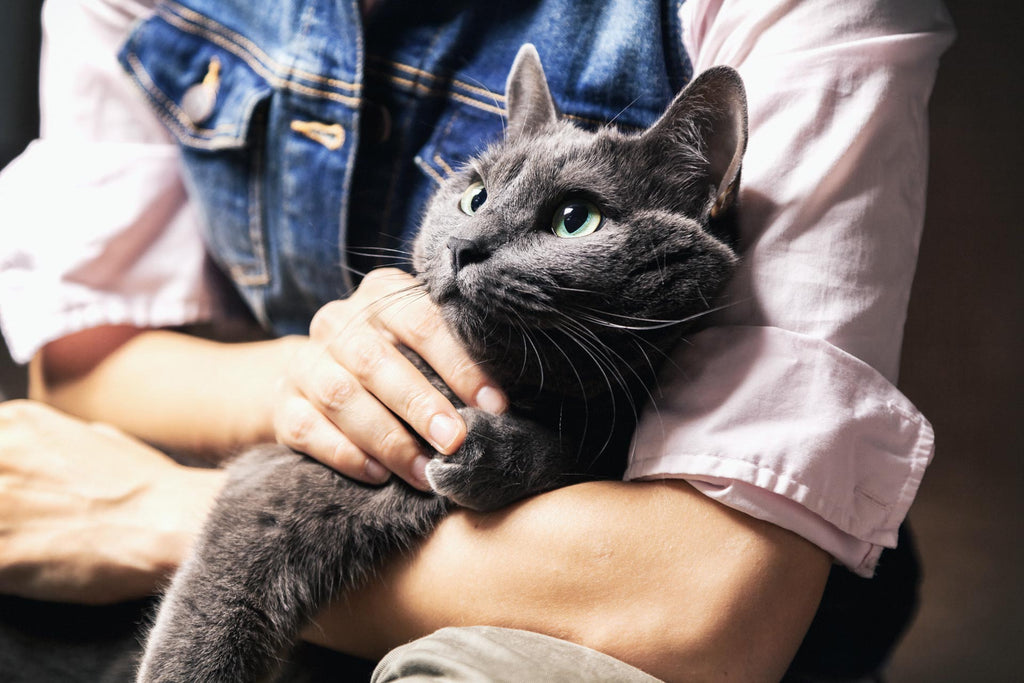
(96, 226)
(786, 409)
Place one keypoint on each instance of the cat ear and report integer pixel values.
(711, 114)
(528, 99)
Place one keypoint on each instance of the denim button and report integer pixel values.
(199, 100)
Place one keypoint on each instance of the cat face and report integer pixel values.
(559, 253)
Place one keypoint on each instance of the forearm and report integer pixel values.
(88, 514)
(169, 388)
(652, 573)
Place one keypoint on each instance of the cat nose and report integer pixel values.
(465, 252)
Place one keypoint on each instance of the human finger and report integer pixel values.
(417, 323)
(301, 427)
(380, 368)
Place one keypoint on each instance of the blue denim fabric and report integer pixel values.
(327, 133)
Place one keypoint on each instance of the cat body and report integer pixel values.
(568, 263)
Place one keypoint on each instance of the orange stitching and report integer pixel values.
(172, 108)
(426, 74)
(331, 136)
(255, 64)
(479, 105)
(261, 276)
(478, 89)
(215, 27)
(426, 167)
(441, 162)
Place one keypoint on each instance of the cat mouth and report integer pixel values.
(442, 290)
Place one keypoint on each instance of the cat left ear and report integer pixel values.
(528, 98)
(710, 114)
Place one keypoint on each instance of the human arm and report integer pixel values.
(183, 392)
(211, 397)
(93, 516)
(88, 514)
(680, 586)
(122, 254)
(786, 408)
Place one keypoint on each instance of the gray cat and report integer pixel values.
(569, 263)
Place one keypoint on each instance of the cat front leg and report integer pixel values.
(285, 536)
(503, 459)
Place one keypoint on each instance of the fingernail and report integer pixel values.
(442, 431)
(419, 471)
(491, 400)
(376, 472)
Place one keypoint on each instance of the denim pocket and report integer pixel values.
(464, 132)
(471, 125)
(215, 103)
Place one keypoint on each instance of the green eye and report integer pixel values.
(576, 218)
(473, 198)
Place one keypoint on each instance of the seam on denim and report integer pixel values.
(484, 106)
(413, 85)
(455, 81)
(443, 164)
(259, 275)
(356, 123)
(479, 105)
(271, 76)
(438, 159)
(483, 92)
(212, 26)
(427, 90)
(175, 118)
(422, 163)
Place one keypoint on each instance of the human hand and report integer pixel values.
(88, 514)
(350, 389)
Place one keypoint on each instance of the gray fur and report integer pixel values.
(573, 329)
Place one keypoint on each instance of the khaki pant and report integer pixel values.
(487, 654)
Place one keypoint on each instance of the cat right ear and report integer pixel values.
(527, 96)
(711, 115)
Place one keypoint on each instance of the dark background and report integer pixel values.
(962, 355)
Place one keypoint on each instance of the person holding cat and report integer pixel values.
(784, 411)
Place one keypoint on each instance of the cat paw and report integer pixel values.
(503, 459)
(459, 476)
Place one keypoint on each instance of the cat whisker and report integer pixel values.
(643, 324)
(404, 296)
(643, 382)
(623, 111)
(371, 250)
(603, 366)
(540, 359)
(583, 393)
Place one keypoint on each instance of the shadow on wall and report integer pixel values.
(962, 361)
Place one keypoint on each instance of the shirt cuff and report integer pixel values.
(791, 430)
(98, 234)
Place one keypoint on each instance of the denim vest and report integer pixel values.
(312, 137)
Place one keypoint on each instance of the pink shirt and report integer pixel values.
(785, 410)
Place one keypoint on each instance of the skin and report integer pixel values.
(88, 514)
(712, 595)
